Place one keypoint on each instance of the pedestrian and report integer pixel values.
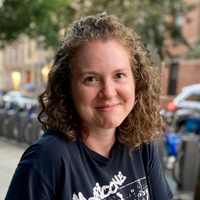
(101, 108)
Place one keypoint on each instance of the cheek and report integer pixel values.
(81, 97)
(128, 92)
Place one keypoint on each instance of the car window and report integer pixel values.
(188, 95)
(12, 96)
(24, 96)
(193, 97)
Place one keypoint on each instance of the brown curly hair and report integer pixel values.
(144, 121)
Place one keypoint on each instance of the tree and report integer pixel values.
(48, 17)
(34, 18)
(194, 53)
(146, 17)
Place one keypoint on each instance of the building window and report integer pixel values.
(173, 79)
(29, 49)
(28, 76)
(39, 43)
(13, 55)
(20, 54)
(7, 56)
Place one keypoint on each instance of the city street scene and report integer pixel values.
(30, 36)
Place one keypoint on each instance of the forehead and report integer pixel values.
(97, 52)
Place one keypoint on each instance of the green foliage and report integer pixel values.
(195, 53)
(48, 17)
(34, 18)
(146, 17)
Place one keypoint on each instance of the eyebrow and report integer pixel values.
(80, 74)
(122, 69)
(94, 72)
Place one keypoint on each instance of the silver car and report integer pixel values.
(19, 98)
(184, 106)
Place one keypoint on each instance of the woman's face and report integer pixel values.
(103, 88)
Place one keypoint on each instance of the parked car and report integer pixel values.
(19, 98)
(18, 118)
(184, 106)
(2, 92)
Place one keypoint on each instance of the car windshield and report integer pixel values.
(188, 95)
(24, 96)
(193, 97)
(18, 95)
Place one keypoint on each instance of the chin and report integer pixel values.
(112, 125)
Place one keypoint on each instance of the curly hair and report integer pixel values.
(144, 121)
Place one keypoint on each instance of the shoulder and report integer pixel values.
(49, 149)
(49, 158)
(149, 154)
(43, 166)
(148, 149)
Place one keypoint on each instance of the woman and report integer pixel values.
(102, 114)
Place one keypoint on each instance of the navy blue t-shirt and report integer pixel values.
(55, 169)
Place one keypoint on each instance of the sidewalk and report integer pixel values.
(178, 194)
(10, 154)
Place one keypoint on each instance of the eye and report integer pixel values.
(119, 75)
(90, 79)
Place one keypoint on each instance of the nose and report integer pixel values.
(107, 90)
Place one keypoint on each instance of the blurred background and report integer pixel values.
(30, 32)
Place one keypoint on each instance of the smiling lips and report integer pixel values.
(109, 107)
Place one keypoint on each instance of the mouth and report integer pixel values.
(107, 107)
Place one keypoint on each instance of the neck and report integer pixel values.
(101, 142)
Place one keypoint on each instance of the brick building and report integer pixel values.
(27, 58)
(179, 71)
